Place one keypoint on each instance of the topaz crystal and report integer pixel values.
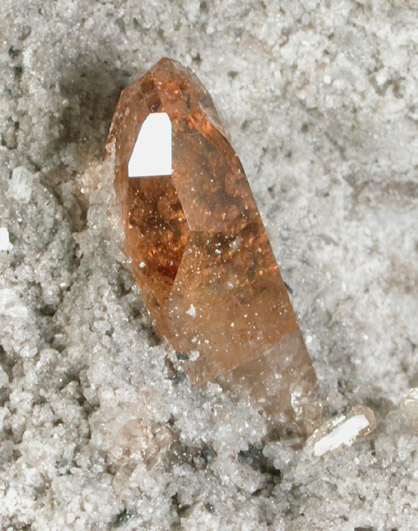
(199, 250)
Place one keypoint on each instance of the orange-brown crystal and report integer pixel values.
(201, 254)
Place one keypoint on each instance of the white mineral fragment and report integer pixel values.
(20, 185)
(342, 431)
(10, 304)
(127, 435)
(409, 407)
(5, 244)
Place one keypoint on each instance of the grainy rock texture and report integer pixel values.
(96, 430)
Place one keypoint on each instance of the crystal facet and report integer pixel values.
(200, 252)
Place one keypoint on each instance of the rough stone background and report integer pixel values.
(321, 99)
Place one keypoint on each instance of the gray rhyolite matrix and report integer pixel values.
(96, 430)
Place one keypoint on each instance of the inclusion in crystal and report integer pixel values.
(200, 252)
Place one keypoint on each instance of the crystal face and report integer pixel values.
(200, 252)
(152, 153)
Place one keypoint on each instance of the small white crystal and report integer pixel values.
(20, 185)
(5, 244)
(4, 380)
(341, 431)
(409, 407)
(344, 433)
(10, 304)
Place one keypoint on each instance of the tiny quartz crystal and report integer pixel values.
(200, 252)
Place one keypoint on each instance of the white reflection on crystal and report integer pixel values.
(152, 154)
